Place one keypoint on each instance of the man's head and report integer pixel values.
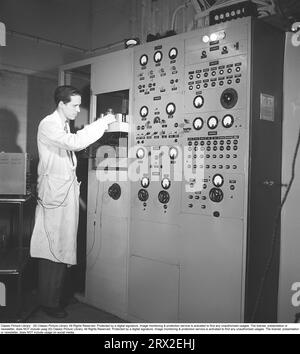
(67, 99)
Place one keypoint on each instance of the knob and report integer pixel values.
(164, 197)
(143, 195)
(114, 191)
(229, 98)
(216, 195)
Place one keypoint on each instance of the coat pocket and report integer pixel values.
(54, 191)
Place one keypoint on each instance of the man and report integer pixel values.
(55, 231)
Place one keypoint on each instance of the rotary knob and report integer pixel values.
(164, 197)
(216, 195)
(143, 195)
(229, 98)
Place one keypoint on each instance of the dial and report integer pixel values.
(227, 121)
(173, 53)
(158, 56)
(143, 195)
(144, 60)
(212, 122)
(144, 111)
(198, 123)
(166, 183)
(145, 182)
(216, 195)
(229, 98)
(140, 154)
(173, 153)
(218, 180)
(171, 109)
(164, 197)
(198, 101)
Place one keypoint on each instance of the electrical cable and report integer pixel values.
(100, 226)
(275, 230)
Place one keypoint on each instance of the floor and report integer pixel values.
(77, 313)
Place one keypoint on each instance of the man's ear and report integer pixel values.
(60, 104)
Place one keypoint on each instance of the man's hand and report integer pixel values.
(109, 118)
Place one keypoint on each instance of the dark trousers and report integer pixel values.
(51, 282)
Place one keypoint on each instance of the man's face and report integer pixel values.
(72, 108)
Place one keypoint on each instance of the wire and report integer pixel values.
(100, 229)
(274, 236)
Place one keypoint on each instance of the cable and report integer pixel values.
(100, 226)
(274, 237)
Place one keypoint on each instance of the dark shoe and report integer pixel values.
(56, 312)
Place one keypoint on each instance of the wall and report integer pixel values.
(290, 222)
(121, 19)
(66, 22)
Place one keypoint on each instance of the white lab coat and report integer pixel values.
(56, 220)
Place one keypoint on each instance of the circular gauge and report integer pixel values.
(143, 195)
(164, 197)
(216, 195)
(227, 121)
(145, 182)
(218, 180)
(198, 101)
(173, 153)
(229, 98)
(198, 123)
(170, 109)
(144, 60)
(166, 183)
(140, 154)
(212, 122)
(173, 53)
(205, 39)
(158, 56)
(144, 111)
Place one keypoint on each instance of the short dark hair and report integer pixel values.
(63, 93)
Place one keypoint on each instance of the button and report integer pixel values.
(216, 214)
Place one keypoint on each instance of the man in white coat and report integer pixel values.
(55, 231)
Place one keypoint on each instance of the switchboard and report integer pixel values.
(207, 138)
